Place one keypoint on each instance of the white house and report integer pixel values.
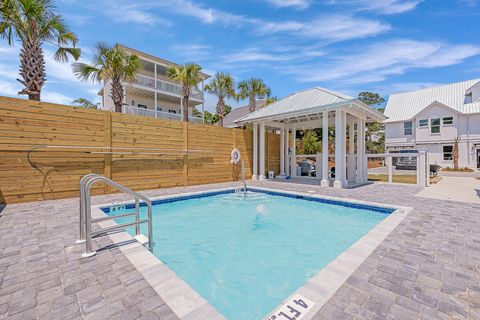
(152, 93)
(430, 119)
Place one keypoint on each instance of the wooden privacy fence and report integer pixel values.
(46, 148)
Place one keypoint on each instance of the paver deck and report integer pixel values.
(427, 268)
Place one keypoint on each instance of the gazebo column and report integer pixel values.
(362, 176)
(255, 152)
(285, 151)
(364, 155)
(324, 182)
(262, 151)
(282, 152)
(340, 142)
(351, 152)
(293, 159)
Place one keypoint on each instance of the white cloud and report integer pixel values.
(7, 71)
(56, 97)
(339, 28)
(192, 52)
(59, 75)
(273, 27)
(298, 4)
(78, 19)
(254, 54)
(378, 61)
(380, 6)
(207, 15)
(136, 16)
(331, 28)
(8, 88)
(410, 86)
(130, 12)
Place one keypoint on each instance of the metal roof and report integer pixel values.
(238, 113)
(303, 101)
(405, 106)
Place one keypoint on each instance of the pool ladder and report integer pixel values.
(86, 233)
(244, 181)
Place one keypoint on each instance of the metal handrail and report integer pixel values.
(244, 181)
(86, 220)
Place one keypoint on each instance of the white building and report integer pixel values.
(430, 119)
(152, 93)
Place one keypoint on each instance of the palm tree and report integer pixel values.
(110, 63)
(270, 100)
(253, 89)
(223, 86)
(85, 103)
(34, 22)
(456, 141)
(187, 76)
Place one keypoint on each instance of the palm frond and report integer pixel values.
(62, 54)
(86, 72)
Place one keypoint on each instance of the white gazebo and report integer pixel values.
(310, 109)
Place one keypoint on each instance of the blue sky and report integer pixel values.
(384, 46)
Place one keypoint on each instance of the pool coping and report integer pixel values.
(188, 304)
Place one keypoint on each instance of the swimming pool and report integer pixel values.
(245, 256)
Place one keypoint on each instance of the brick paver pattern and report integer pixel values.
(427, 268)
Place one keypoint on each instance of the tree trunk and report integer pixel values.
(117, 94)
(32, 69)
(455, 155)
(220, 111)
(185, 108)
(251, 103)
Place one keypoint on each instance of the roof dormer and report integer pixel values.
(473, 93)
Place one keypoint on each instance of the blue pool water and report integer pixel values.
(246, 256)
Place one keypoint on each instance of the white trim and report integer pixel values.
(375, 115)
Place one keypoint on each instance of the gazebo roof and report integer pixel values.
(307, 105)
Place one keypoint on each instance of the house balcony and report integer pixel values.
(165, 87)
(159, 114)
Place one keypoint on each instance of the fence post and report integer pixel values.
(421, 167)
(185, 154)
(427, 169)
(390, 167)
(107, 164)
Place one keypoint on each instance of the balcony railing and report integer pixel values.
(165, 86)
(160, 114)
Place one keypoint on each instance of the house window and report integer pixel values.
(448, 120)
(447, 153)
(435, 126)
(172, 111)
(408, 128)
(468, 98)
(423, 123)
